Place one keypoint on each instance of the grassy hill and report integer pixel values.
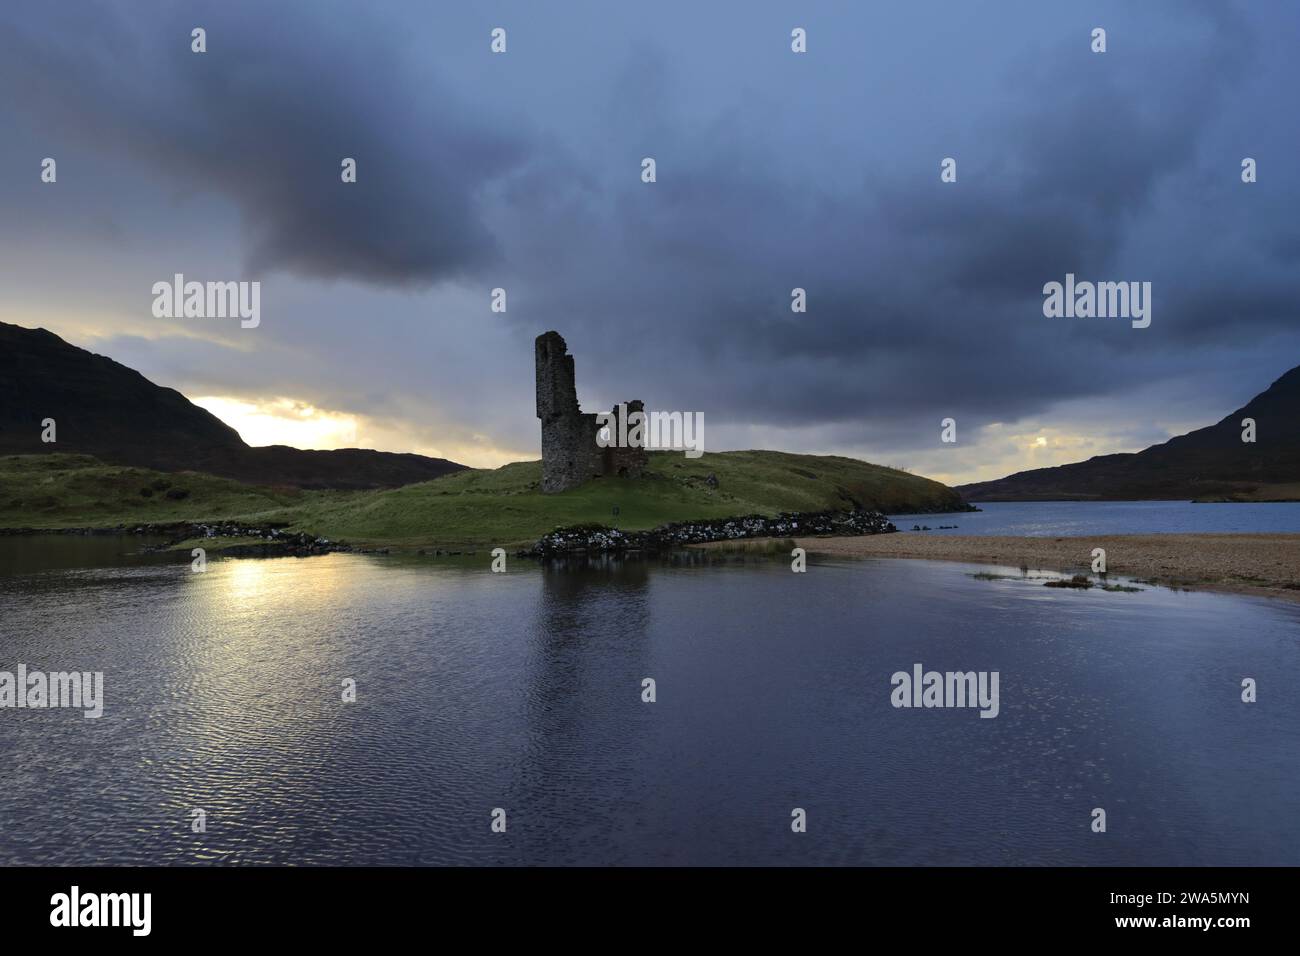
(469, 508)
(78, 491)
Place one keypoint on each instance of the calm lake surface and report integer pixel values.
(1073, 518)
(523, 691)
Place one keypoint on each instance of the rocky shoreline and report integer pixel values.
(268, 541)
(600, 539)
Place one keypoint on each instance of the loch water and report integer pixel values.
(523, 691)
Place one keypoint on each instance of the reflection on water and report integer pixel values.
(523, 691)
(27, 554)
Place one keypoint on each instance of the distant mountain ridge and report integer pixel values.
(102, 408)
(1208, 463)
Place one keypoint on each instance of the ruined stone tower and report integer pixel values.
(570, 455)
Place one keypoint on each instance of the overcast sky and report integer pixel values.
(775, 170)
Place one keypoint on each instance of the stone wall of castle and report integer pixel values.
(570, 454)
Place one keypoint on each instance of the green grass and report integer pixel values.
(74, 491)
(500, 507)
(505, 506)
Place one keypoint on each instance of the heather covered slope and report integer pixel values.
(1209, 463)
(104, 409)
(100, 407)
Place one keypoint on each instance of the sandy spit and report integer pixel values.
(1259, 564)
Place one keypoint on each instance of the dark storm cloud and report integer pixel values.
(926, 297)
(775, 171)
(265, 117)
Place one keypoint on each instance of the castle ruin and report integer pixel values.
(570, 454)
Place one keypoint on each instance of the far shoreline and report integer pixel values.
(1264, 565)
